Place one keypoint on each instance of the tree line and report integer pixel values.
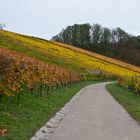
(114, 43)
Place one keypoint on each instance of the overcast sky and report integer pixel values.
(46, 18)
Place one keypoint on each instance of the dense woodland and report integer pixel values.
(114, 43)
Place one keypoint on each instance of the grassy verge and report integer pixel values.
(127, 99)
(22, 121)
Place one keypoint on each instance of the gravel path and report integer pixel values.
(95, 115)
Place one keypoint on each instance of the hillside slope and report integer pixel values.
(99, 56)
(115, 43)
(68, 57)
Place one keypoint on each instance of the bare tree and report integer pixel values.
(2, 25)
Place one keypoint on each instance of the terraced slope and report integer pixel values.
(69, 57)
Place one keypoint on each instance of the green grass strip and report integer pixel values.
(129, 100)
(24, 120)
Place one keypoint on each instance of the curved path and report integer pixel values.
(96, 116)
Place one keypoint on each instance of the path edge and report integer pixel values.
(45, 132)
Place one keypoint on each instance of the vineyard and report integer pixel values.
(130, 83)
(34, 62)
(32, 66)
(98, 56)
(63, 56)
(19, 72)
(30, 63)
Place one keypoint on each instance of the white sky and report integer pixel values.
(46, 18)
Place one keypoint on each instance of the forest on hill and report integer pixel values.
(115, 43)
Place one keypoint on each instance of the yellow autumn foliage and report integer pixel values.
(82, 60)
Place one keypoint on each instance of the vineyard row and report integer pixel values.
(18, 71)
